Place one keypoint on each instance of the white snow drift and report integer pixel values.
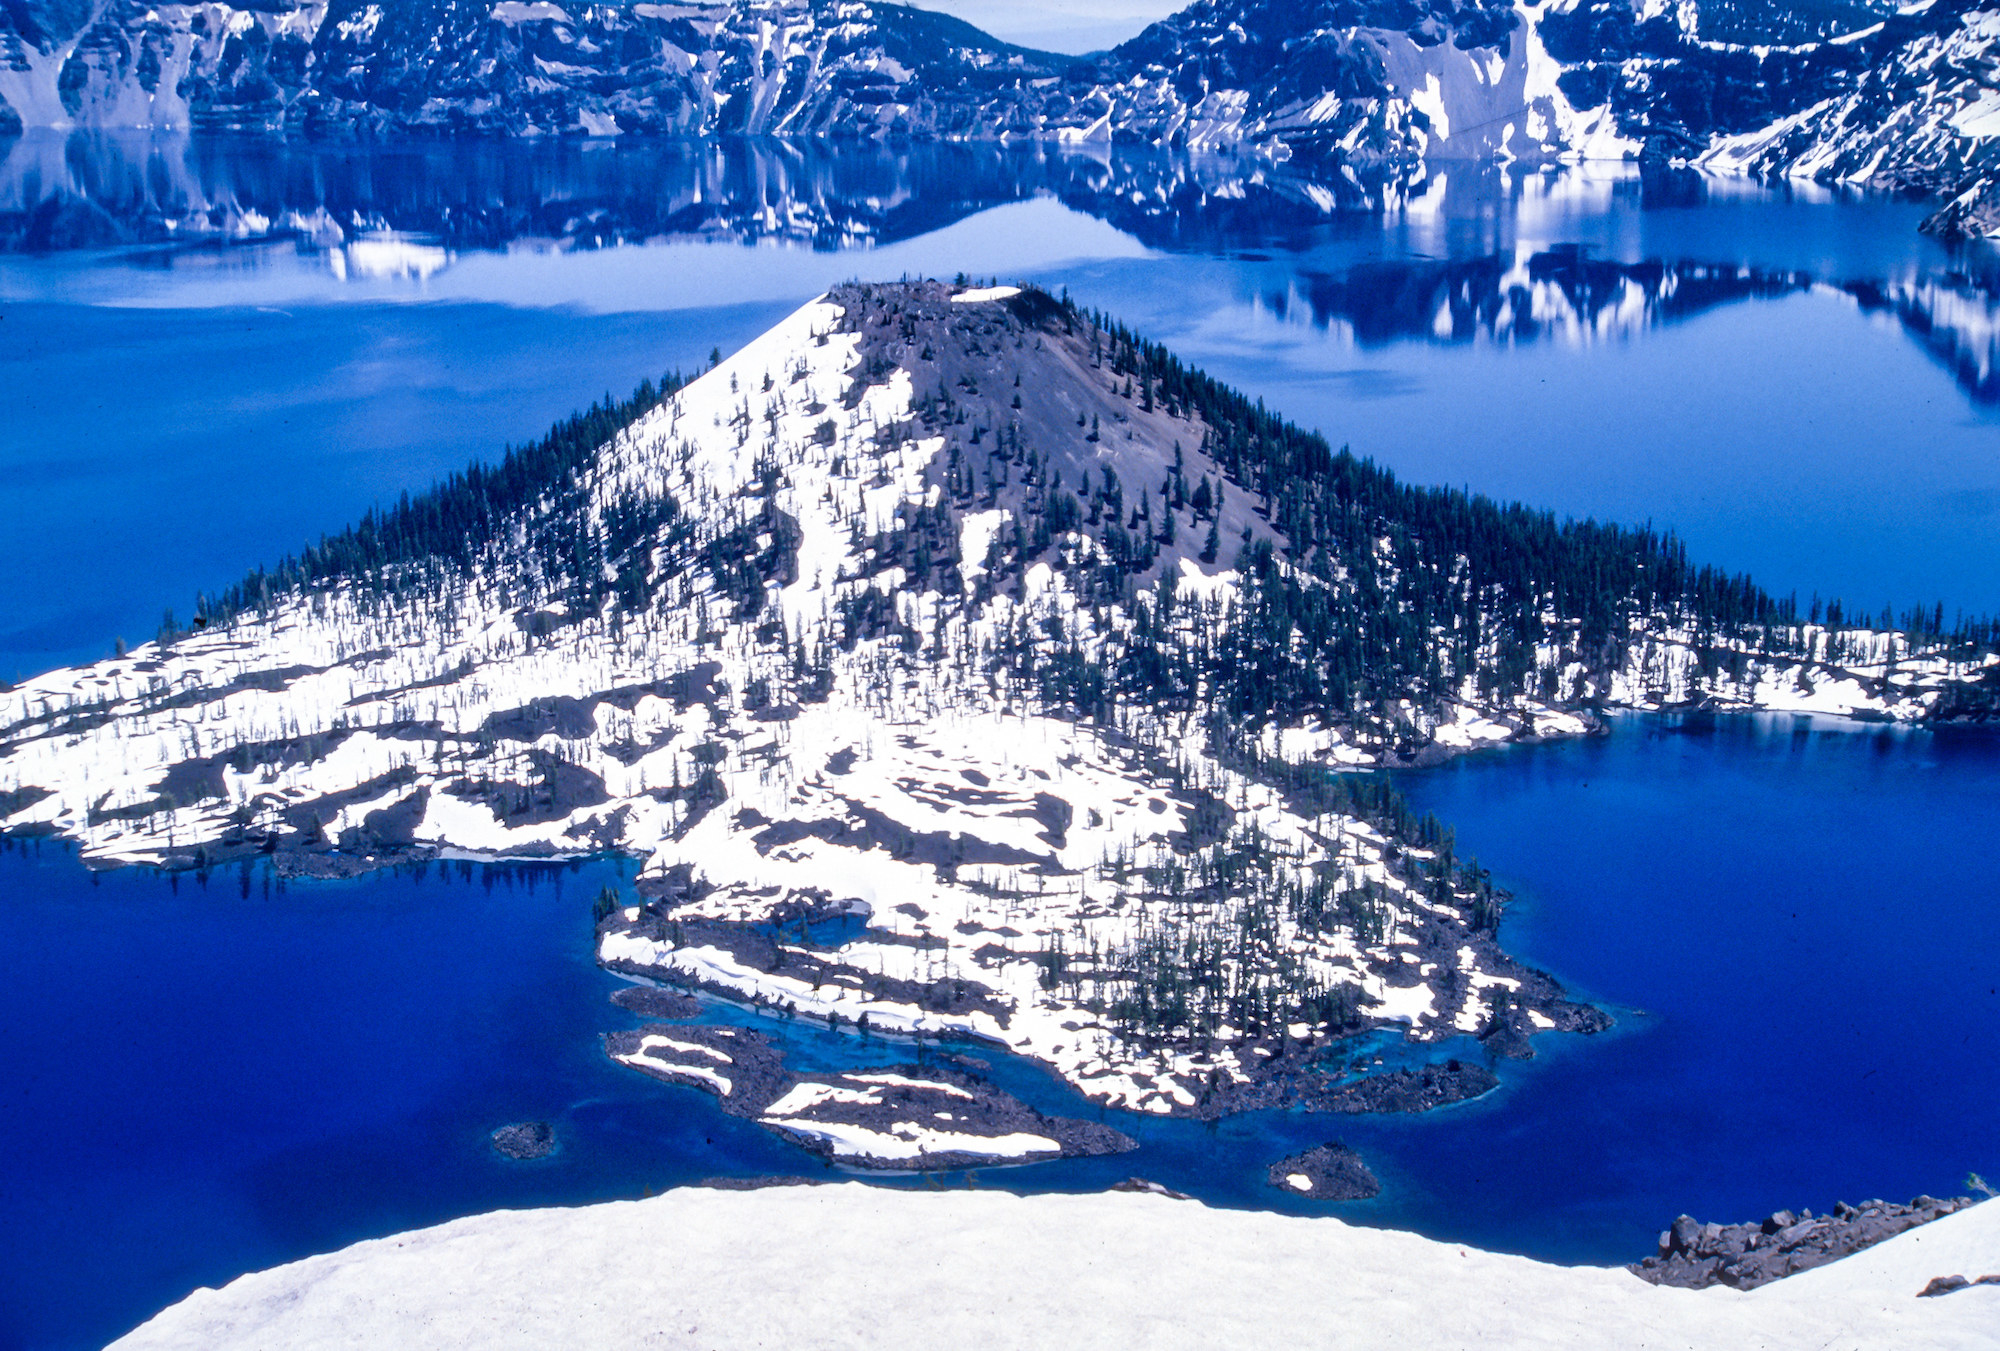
(857, 1266)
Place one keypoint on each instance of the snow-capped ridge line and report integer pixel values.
(1370, 91)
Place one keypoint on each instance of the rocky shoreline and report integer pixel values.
(1694, 1255)
(1281, 1068)
(1286, 1076)
(937, 1115)
(651, 1001)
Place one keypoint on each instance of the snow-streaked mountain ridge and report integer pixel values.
(1896, 98)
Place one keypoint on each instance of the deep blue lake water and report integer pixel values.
(1795, 923)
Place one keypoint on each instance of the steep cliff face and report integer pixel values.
(1855, 91)
(1335, 77)
(801, 67)
(1843, 90)
(1909, 103)
(1375, 86)
(1861, 93)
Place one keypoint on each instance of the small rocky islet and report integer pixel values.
(525, 1141)
(1328, 1172)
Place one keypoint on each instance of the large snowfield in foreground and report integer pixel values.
(853, 1265)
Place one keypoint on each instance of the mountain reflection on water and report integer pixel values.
(1564, 294)
(1469, 255)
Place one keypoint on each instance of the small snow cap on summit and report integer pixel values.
(985, 293)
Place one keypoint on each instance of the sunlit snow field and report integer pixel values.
(1793, 922)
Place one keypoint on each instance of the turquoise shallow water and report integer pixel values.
(1794, 923)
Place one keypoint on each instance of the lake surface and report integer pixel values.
(211, 352)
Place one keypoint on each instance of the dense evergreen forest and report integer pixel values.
(447, 528)
(1385, 592)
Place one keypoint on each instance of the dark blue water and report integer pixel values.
(177, 444)
(1801, 923)
(1795, 926)
(204, 1079)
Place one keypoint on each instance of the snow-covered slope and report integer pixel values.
(865, 1267)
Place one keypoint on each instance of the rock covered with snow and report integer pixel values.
(862, 1266)
(933, 1116)
(927, 1116)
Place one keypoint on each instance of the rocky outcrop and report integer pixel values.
(1407, 1090)
(1745, 1256)
(938, 1115)
(525, 1140)
(1951, 1285)
(652, 1002)
(1328, 1172)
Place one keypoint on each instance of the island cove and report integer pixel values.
(961, 666)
